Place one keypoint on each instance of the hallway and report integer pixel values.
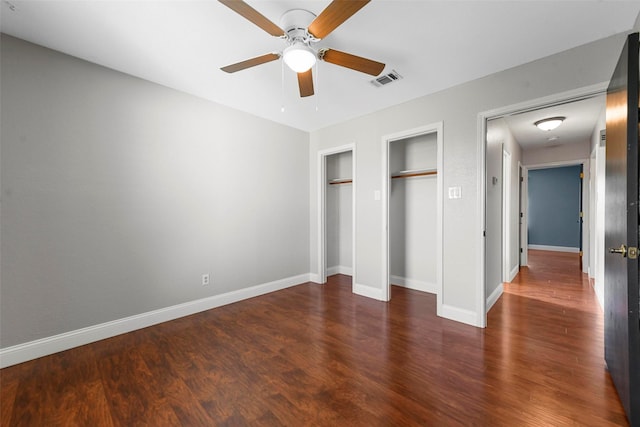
(552, 333)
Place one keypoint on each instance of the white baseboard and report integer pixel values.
(368, 291)
(417, 285)
(339, 269)
(459, 315)
(514, 273)
(495, 295)
(554, 248)
(65, 341)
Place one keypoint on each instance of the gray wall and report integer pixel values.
(458, 108)
(118, 194)
(554, 206)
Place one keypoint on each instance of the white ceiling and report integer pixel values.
(432, 44)
(581, 119)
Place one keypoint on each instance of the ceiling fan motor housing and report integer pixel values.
(294, 22)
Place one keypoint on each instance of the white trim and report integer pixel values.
(495, 295)
(554, 248)
(481, 314)
(385, 217)
(546, 101)
(438, 129)
(459, 315)
(43, 347)
(524, 236)
(322, 178)
(368, 291)
(339, 269)
(514, 272)
(416, 285)
(586, 206)
(506, 214)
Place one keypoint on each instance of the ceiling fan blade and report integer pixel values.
(238, 66)
(335, 14)
(354, 62)
(305, 83)
(249, 13)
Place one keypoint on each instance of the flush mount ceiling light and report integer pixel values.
(549, 124)
(299, 57)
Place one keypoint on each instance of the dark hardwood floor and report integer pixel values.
(319, 355)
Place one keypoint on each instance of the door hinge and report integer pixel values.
(521, 179)
(581, 253)
(632, 253)
(520, 250)
(521, 215)
(581, 175)
(581, 214)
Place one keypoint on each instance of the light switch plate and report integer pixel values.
(455, 192)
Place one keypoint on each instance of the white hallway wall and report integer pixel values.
(597, 216)
(513, 147)
(117, 194)
(458, 108)
(499, 138)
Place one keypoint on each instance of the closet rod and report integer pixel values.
(340, 181)
(410, 173)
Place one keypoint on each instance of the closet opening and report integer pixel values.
(413, 204)
(337, 207)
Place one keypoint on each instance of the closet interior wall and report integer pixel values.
(413, 214)
(339, 215)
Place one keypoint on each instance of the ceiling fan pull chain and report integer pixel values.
(282, 86)
(316, 85)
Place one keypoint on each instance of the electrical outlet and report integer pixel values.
(205, 279)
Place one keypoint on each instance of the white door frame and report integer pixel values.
(522, 214)
(547, 101)
(586, 238)
(436, 128)
(322, 217)
(506, 216)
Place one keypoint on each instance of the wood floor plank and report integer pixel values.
(320, 355)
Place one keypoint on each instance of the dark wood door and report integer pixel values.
(622, 297)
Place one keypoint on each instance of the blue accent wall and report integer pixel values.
(554, 206)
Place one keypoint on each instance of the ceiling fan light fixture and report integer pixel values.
(299, 57)
(549, 124)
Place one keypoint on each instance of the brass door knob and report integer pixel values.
(622, 250)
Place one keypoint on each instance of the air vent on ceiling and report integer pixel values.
(603, 137)
(386, 79)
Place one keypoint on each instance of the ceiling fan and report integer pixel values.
(301, 29)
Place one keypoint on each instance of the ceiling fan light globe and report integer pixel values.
(299, 58)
